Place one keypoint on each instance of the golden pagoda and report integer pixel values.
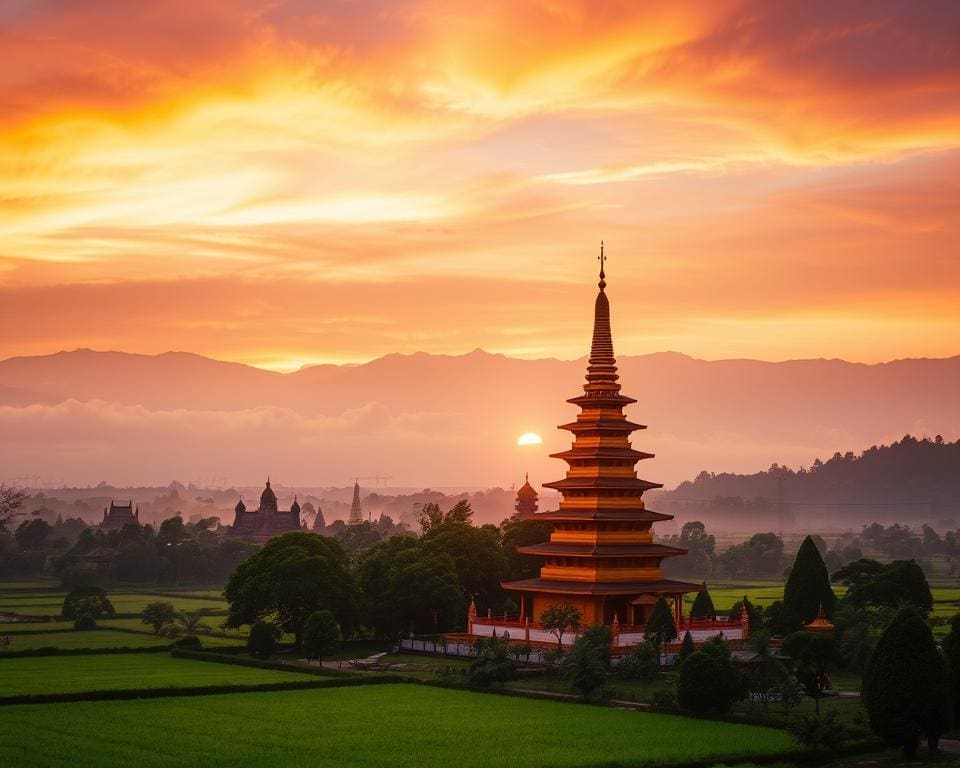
(601, 556)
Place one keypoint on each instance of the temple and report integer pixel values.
(601, 556)
(356, 513)
(527, 497)
(265, 522)
(118, 515)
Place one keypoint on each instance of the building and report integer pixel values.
(527, 497)
(116, 516)
(601, 556)
(266, 521)
(356, 512)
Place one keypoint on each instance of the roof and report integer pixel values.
(594, 452)
(613, 398)
(603, 550)
(613, 425)
(664, 586)
(638, 514)
(602, 483)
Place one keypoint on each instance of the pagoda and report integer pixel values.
(356, 513)
(116, 516)
(601, 556)
(526, 506)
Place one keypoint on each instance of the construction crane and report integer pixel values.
(377, 479)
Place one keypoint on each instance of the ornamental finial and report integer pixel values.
(602, 259)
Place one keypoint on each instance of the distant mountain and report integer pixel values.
(910, 479)
(443, 420)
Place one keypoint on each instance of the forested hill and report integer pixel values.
(910, 479)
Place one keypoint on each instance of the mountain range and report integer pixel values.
(442, 421)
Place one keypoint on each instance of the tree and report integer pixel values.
(190, 623)
(874, 585)
(31, 534)
(292, 576)
(86, 611)
(905, 690)
(766, 671)
(951, 651)
(687, 647)
(808, 585)
(11, 500)
(492, 663)
(263, 639)
(587, 663)
(780, 620)
(558, 619)
(660, 626)
(409, 586)
(158, 614)
(826, 733)
(320, 634)
(98, 604)
(855, 637)
(813, 656)
(477, 556)
(519, 533)
(703, 606)
(708, 683)
(642, 663)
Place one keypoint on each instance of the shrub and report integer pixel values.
(588, 662)
(190, 642)
(827, 732)
(320, 634)
(93, 599)
(263, 640)
(703, 607)
(708, 682)
(686, 647)
(492, 663)
(665, 700)
(158, 614)
(642, 663)
(85, 622)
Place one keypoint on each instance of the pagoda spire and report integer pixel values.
(602, 369)
(356, 512)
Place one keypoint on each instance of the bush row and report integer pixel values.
(50, 650)
(248, 661)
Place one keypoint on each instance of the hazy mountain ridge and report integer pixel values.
(445, 420)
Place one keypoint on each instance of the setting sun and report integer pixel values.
(529, 438)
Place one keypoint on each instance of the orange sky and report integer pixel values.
(282, 183)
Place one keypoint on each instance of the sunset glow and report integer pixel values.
(270, 182)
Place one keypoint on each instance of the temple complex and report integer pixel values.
(601, 556)
(118, 515)
(356, 513)
(527, 497)
(265, 522)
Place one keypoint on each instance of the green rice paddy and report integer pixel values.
(393, 726)
(72, 674)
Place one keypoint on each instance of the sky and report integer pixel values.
(287, 183)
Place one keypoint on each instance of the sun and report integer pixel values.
(529, 438)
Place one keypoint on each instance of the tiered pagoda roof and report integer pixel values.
(602, 542)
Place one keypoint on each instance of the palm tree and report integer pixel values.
(190, 623)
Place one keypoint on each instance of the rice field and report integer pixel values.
(94, 639)
(393, 726)
(73, 674)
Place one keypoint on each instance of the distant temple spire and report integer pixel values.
(356, 513)
(526, 500)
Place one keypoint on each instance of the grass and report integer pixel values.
(395, 726)
(71, 674)
(95, 638)
(49, 604)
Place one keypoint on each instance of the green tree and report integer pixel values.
(520, 533)
(708, 683)
(11, 500)
(808, 585)
(814, 655)
(477, 556)
(587, 663)
(559, 619)
(292, 576)
(703, 606)
(263, 640)
(158, 614)
(905, 690)
(92, 599)
(320, 634)
(855, 635)
(874, 585)
(190, 624)
(642, 664)
(660, 626)
(780, 620)
(766, 670)
(492, 663)
(687, 647)
(826, 733)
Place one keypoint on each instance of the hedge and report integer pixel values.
(50, 650)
